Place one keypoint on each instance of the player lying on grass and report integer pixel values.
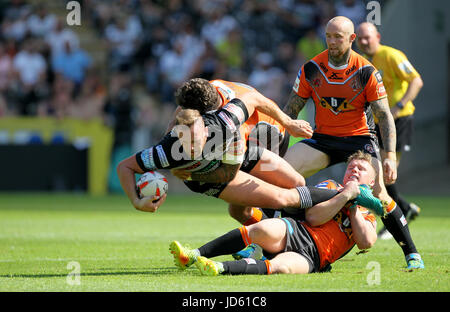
(209, 149)
(331, 229)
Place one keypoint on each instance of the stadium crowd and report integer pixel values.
(149, 48)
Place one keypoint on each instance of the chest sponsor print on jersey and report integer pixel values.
(336, 105)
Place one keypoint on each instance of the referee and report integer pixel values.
(403, 84)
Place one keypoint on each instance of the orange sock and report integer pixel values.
(268, 266)
(391, 206)
(257, 216)
(245, 238)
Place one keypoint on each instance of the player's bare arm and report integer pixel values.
(323, 212)
(364, 232)
(223, 174)
(126, 170)
(255, 100)
(294, 105)
(386, 123)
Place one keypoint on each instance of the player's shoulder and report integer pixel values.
(359, 61)
(390, 51)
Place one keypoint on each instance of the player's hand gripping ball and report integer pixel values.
(152, 183)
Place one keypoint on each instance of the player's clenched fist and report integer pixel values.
(300, 128)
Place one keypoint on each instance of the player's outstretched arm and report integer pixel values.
(126, 170)
(255, 100)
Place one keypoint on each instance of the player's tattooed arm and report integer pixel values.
(223, 174)
(294, 105)
(386, 123)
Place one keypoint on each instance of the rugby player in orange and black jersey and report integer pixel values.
(223, 145)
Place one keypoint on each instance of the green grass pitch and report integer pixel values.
(46, 237)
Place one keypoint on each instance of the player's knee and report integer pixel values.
(281, 269)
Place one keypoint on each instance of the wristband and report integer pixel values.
(400, 105)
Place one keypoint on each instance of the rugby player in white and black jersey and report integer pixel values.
(204, 155)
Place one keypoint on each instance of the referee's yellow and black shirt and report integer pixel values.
(397, 73)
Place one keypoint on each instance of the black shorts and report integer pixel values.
(404, 129)
(299, 241)
(340, 148)
(251, 158)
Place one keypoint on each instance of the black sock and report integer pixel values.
(226, 244)
(311, 195)
(401, 202)
(245, 266)
(267, 213)
(395, 223)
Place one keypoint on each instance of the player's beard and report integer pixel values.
(339, 59)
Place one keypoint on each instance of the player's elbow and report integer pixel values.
(418, 82)
(312, 219)
(366, 242)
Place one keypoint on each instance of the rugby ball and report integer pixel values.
(152, 183)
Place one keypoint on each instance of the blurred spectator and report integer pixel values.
(231, 49)
(123, 37)
(41, 22)
(30, 68)
(301, 16)
(6, 68)
(209, 66)
(267, 78)
(90, 102)
(353, 9)
(310, 45)
(175, 66)
(57, 38)
(59, 102)
(72, 63)
(16, 29)
(217, 24)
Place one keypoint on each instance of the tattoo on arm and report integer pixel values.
(224, 173)
(386, 123)
(294, 105)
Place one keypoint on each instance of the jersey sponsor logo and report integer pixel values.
(344, 223)
(378, 77)
(317, 82)
(324, 68)
(381, 90)
(336, 105)
(348, 71)
(229, 123)
(235, 110)
(147, 159)
(335, 76)
(162, 156)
